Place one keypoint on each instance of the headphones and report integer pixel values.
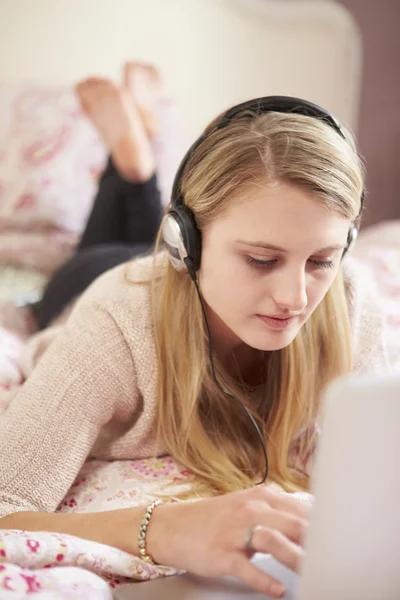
(182, 237)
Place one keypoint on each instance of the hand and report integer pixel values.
(207, 537)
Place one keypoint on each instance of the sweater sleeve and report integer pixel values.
(369, 350)
(85, 378)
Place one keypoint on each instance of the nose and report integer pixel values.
(289, 291)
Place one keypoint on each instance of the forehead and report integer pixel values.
(278, 212)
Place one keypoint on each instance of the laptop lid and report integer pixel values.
(353, 544)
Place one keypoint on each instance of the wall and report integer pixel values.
(379, 123)
(213, 52)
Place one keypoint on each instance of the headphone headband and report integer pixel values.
(181, 234)
(267, 104)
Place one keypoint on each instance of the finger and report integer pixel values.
(293, 527)
(243, 569)
(287, 503)
(271, 541)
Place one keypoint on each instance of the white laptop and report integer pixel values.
(353, 544)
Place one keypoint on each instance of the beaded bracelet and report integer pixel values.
(143, 531)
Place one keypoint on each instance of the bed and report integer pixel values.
(213, 53)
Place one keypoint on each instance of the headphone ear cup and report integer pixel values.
(182, 238)
(351, 238)
(353, 234)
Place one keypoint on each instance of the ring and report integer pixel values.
(248, 539)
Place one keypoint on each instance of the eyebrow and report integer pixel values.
(279, 249)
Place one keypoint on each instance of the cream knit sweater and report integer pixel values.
(93, 393)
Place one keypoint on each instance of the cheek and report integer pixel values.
(226, 281)
(317, 289)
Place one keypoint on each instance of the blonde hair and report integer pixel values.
(208, 432)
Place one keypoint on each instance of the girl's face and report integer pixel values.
(267, 263)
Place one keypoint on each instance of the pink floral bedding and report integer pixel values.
(50, 161)
(30, 564)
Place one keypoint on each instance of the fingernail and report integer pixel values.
(278, 590)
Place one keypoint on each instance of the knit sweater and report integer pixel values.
(93, 393)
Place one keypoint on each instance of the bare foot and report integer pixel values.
(145, 85)
(119, 123)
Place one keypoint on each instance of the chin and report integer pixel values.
(270, 343)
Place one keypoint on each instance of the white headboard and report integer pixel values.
(213, 53)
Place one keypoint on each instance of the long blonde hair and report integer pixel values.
(205, 430)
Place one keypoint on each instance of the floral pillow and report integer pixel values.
(50, 160)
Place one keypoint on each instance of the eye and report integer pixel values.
(260, 264)
(269, 264)
(323, 264)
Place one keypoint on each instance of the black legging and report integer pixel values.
(123, 223)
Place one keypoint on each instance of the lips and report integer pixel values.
(277, 323)
(277, 317)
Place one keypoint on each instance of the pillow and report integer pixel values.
(50, 156)
(50, 160)
(19, 285)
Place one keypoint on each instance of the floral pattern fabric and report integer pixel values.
(50, 160)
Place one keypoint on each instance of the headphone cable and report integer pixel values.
(189, 264)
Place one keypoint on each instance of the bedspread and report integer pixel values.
(30, 562)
